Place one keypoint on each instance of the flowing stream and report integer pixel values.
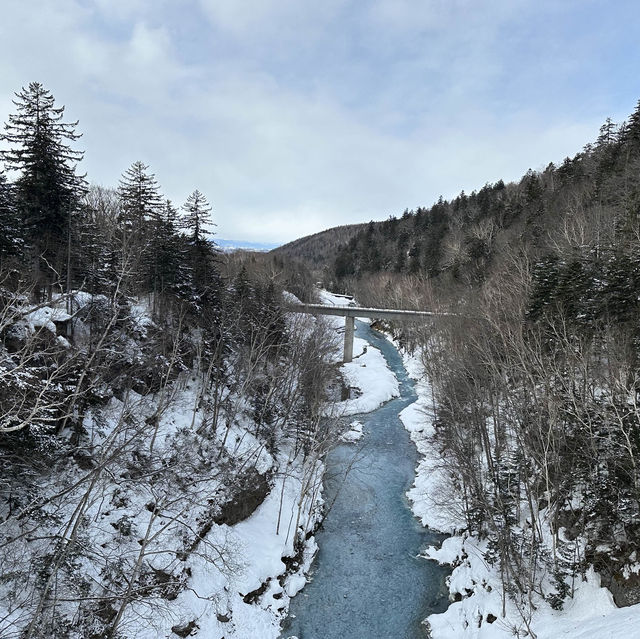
(367, 581)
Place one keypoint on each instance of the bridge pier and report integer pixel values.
(351, 312)
(349, 328)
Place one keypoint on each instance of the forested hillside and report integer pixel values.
(536, 379)
(589, 199)
(152, 394)
(318, 250)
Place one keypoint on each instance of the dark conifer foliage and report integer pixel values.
(140, 336)
(140, 197)
(197, 221)
(140, 220)
(48, 187)
(172, 270)
(458, 241)
(10, 228)
(536, 384)
(204, 289)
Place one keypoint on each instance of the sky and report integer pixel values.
(294, 116)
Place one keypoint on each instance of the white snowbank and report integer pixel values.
(368, 375)
(354, 434)
(432, 497)
(371, 377)
(45, 317)
(590, 614)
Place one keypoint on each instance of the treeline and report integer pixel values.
(459, 240)
(318, 250)
(536, 380)
(60, 236)
(150, 389)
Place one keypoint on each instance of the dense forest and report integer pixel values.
(151, 389)
(318, 250)
(536, 377)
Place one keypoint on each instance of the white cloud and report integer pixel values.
(292, 116)
(148, 47)
(123, 10)
(263, 18)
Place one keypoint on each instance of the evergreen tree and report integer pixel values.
(206, 284)
(48, 188)
(140, 215)
(171, 269)
(632, 130)
(9, 224)
(93, 233)
(197, 218)
(140, 198)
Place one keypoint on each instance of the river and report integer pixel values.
(367, 580)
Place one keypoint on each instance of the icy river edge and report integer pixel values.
(474, 585)
(368, 578)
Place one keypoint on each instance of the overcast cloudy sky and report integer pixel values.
(295, 115)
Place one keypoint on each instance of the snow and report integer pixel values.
(372, 380)
(140, 316)
(236, 560)
(256, 540)
(230, 561)
(290, 298)
(590, 614)
(295, 584)
(44, 317)
(334, 299)
(368, 376)
(261, 547)
(354, 433)
(432, 497)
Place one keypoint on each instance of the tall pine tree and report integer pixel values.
(206, 284)
(197, 220)
(47, 188)
(140, 198)
(141, 205)
(9, 223)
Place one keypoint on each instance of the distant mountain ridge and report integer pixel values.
(234, 245)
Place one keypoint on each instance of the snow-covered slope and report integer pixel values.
(476, 585)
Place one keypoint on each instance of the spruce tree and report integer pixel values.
(171, 268)
(206, 284)
(198, 217)
(140, 213)
(140, 198)
(90, 262)
(9, 223)
(48, 188)
(632, 130)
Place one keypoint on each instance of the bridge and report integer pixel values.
(351, 312)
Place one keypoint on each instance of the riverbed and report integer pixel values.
(368, 581)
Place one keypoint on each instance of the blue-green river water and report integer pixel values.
(367, 581)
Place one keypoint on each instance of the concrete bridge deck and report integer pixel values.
(351, 312)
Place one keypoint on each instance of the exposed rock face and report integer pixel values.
(625, 590)
(615, 574)
(185, 629)
(251, 492)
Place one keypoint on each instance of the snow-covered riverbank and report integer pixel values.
(369, 579)
(475, 586)
(368, 377)
(259, 541)
(177, 516)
